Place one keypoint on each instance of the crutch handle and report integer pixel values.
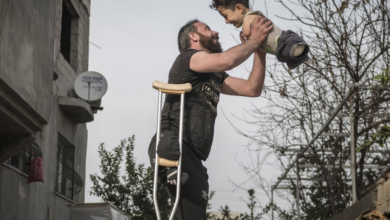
(175, 89)
(167, 163)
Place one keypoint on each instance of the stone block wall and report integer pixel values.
(376, 197)
(68, 71)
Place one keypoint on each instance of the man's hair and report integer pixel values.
(183, 39)
(230, 4)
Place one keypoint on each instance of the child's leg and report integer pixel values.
(271, 43)
(292, 49)
(298, 50)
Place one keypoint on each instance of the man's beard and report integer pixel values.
(209, 44)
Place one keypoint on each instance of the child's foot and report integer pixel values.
(172, 176)
(298, 50)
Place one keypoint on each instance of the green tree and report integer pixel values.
(380, 137)
(209, 215)
(252, 208)
(131, 191)
(225, 211)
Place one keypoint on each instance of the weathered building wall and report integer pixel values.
(34, 76)
(26, 71)
(20, 200)
(377, 197)
(27, 50)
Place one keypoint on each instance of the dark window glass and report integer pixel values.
(66, 27)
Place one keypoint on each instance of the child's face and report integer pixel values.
(235, 17)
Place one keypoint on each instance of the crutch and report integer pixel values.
(174, 89)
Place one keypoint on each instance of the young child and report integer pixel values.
(288, 46)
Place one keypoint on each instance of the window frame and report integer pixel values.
(65, 171)
(65, 165)
(21, 161)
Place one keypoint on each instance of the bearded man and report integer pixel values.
(203, 64)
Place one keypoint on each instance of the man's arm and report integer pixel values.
(253, 86)
(203, 62)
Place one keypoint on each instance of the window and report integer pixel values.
(66, 28)
(22, 160)
(68, 181)
(69, 33)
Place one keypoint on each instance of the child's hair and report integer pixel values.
(230, 4)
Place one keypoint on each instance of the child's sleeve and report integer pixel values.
(247, 24)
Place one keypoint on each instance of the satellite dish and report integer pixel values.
(90, 86)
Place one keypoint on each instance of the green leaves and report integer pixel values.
(383, 77)
(252, 205)
(383, 133)
(379, 138)
(385, 128)
(132, 190)
(366, 144)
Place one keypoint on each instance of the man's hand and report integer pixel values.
(204, 62)
(260, 29)
(242, 38)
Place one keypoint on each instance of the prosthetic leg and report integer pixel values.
(271, 43)
(174, 89)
